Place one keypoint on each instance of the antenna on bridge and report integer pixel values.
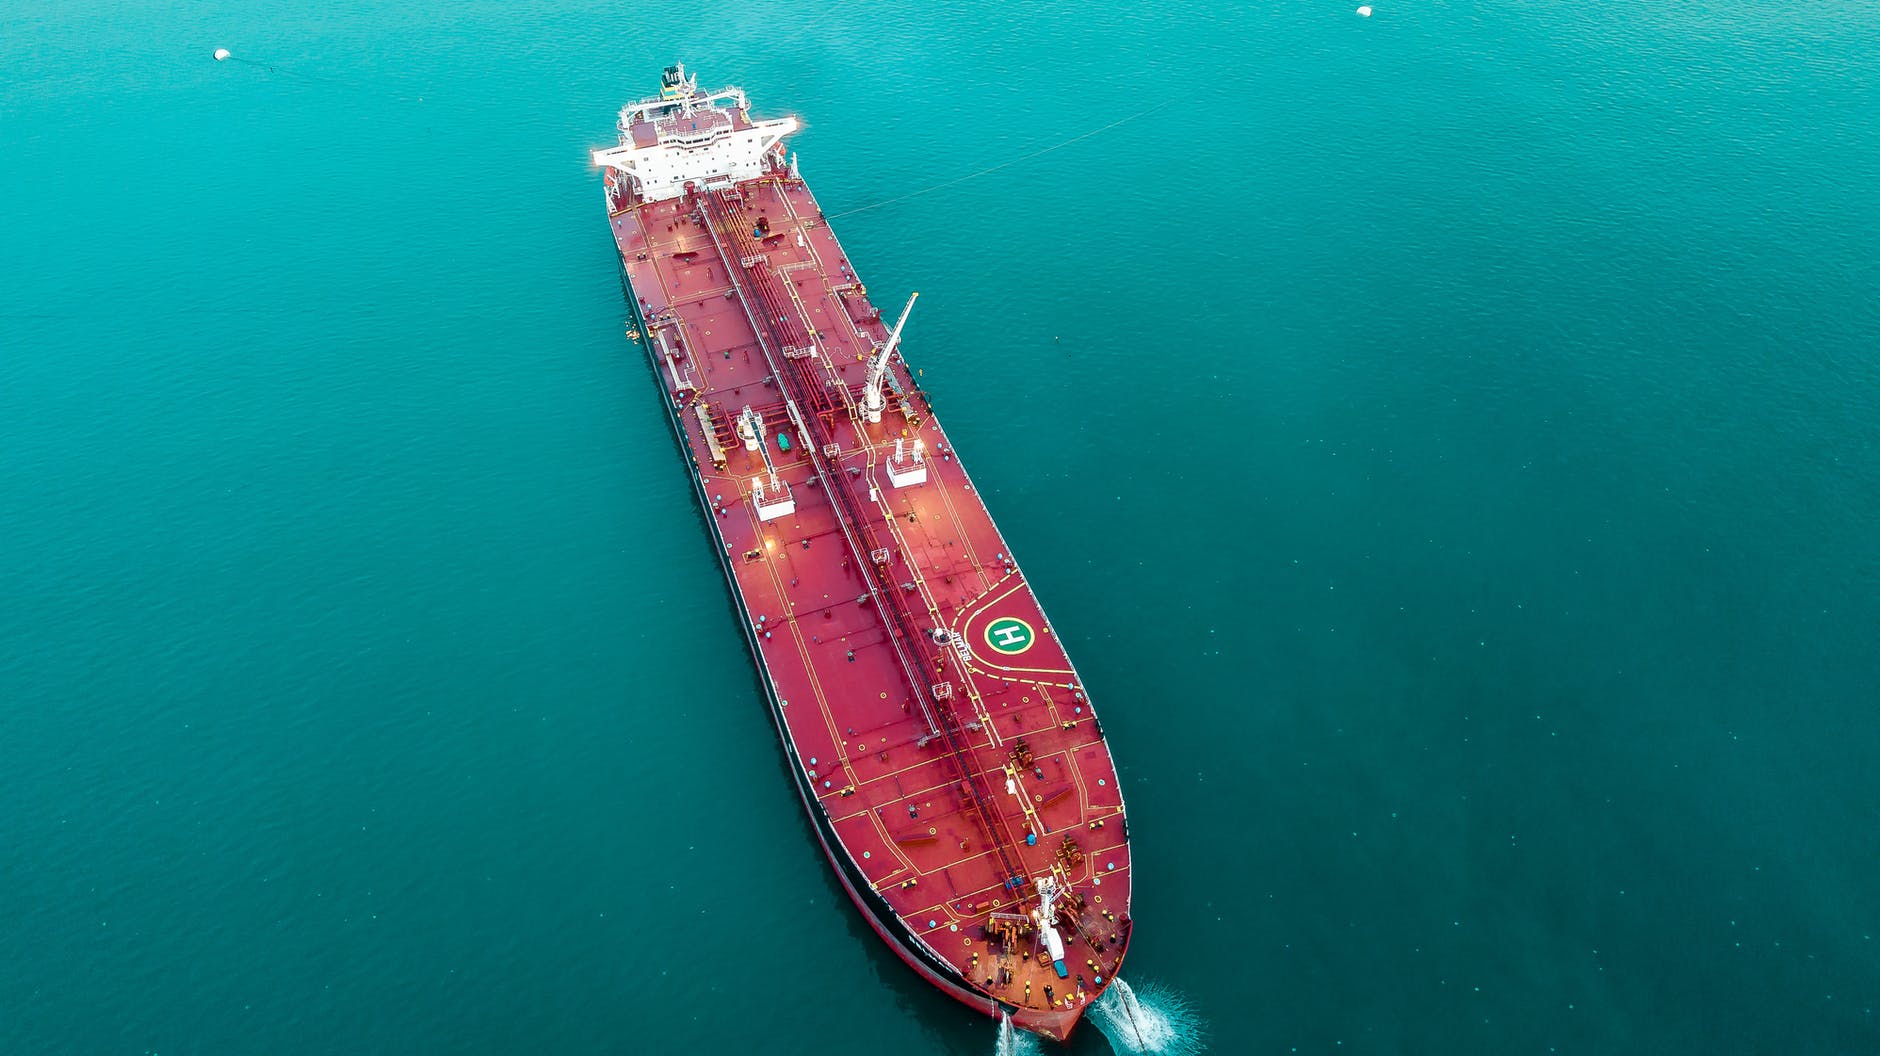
(872, 400)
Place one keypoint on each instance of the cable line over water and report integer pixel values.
(1140, 114)
(224, 55)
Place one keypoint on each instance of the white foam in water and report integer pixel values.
(1015, 1042)
(1151, 1020)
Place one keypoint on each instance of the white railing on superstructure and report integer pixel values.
(694, 140)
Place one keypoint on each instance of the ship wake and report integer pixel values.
(1151, 1020)
(1015, 1042)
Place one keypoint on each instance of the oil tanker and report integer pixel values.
(947, 754)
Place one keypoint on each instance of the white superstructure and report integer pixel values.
(686, 136)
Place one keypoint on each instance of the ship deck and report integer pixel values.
(950, 769)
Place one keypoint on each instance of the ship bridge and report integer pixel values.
(686, 136)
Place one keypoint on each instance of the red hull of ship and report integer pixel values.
(945, 750)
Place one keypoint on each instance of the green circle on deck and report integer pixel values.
(1009, 635)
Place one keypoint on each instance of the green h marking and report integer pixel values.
(1009, 635)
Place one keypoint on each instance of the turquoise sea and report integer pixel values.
(1448, 440)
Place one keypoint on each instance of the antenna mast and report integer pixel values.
(872, 400)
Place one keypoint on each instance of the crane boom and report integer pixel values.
(872, 400)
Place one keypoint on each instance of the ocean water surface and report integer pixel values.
(1448, 440)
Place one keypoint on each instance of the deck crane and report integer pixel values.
(872, 399)
(1045, 916)
(772, 495)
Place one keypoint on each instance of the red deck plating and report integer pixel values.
(946, 750)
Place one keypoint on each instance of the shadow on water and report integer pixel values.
(1150, 1020)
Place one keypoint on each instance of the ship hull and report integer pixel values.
(945, 752)
(879, 915)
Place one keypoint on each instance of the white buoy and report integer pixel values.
(1365, 11)
(222, 53)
